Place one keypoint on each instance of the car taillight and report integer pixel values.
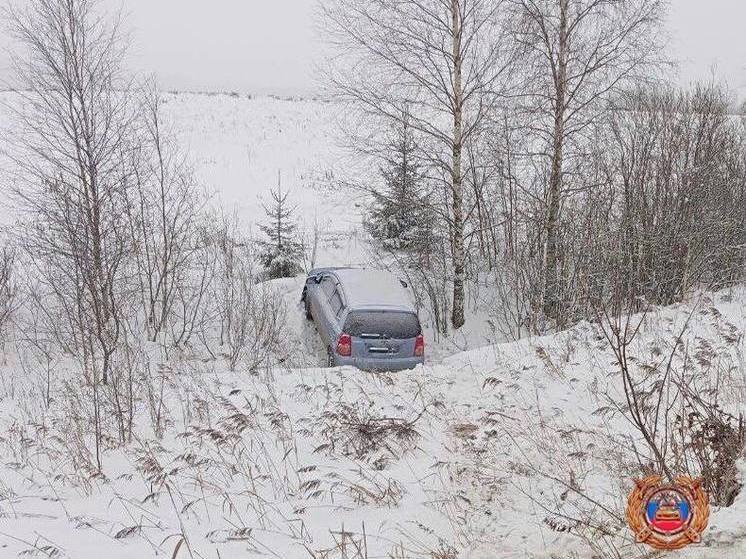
(344, 345)
(419, 346)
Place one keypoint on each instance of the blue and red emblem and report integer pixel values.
(668, 511)
(668, 516)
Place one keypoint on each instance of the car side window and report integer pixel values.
(336, 303)
(327, 284)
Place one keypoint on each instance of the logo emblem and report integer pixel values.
(668, 516)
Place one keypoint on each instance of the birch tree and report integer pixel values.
(442, 60)
(575, 55)
(71, 156)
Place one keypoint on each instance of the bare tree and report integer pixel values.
(575, 54)
(165, 216)
(442, 60)
(72, 159)
(251, 315)
(676, 159)
(659, 194)
(193, 314)
(8, 290)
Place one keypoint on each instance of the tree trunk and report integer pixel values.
(459, 264)
(551, 279)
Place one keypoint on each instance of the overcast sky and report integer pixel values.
(270, 45)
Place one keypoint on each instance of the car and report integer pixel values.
(365, 318)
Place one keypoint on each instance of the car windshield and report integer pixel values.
(383, 324)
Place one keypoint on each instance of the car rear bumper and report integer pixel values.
(395, 364)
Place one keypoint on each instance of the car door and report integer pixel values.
(337, 309)
(322, 311)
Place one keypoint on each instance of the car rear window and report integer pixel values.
(383, 324)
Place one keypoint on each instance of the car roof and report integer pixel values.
(368, 289)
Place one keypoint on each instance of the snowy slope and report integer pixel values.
(468, 458)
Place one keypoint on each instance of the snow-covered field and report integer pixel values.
(505, 451)
(239, 144)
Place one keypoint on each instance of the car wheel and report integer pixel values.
(307, 303)
(330, 359)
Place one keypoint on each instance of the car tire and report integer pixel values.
(330, 359)
(307, 304)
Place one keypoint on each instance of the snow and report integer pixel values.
(283, 462)
(471, 456)
(239, 145)
(373, 288)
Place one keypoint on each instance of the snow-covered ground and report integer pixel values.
(239, 144)
(497, 452)
(485, 456)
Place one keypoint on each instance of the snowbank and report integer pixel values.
(503, 452)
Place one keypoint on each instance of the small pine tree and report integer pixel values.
(280, 254)
(398, 217)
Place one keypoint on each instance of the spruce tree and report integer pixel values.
(280, 253)
(398, 217)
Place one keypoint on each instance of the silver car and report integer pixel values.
(365, 319)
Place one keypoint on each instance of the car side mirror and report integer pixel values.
(318, 277)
